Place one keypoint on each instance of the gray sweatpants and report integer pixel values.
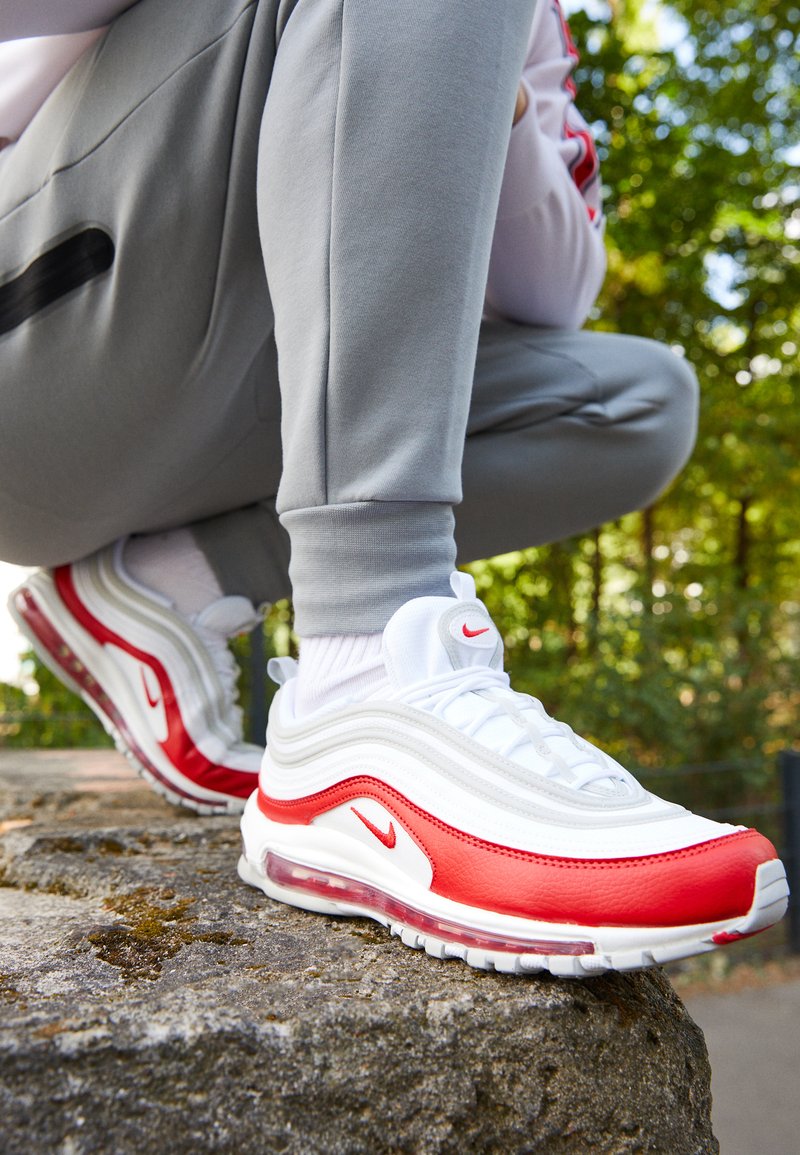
(150, 378)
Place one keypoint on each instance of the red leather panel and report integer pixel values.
(705, 883)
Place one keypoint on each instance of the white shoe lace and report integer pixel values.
(227, 671)
(566, 756)
(218, 622)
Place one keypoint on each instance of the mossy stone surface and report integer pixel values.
(149, 1001)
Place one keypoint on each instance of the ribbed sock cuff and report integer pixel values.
(172, 564)
(248, 550)
(353, 565)
(331, 668)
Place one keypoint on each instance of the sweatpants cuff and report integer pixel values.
(353, 565)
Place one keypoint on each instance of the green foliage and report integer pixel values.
(674, 636)
(53, 717)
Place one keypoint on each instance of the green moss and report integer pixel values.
(112, 846)
(219, 938)
(150, 932)
(66, 845)
(144, 916)
(376, 937)
(9, 993)
(62, 887)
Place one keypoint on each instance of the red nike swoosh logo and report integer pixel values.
(473, 633)
(389, 839)
(151, 701)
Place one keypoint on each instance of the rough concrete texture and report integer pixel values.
(151, 1002)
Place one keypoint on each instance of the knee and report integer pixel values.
(666, 393)
(672, 383)
(680, 399)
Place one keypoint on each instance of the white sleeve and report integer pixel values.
(22, 18)
(548, 260)
(30, 70)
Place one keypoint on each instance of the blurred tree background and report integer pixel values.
(673, 635)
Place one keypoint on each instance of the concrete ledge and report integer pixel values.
(151, 1002)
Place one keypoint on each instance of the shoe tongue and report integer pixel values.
(431, 636)
(229, 616)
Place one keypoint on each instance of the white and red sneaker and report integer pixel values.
(458, 813)
(163, 685)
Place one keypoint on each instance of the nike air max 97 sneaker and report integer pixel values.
(460, 814)
(163, 685)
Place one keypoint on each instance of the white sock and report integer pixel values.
(344, 666)
(172, 564)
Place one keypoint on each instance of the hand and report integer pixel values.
(522, 103)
